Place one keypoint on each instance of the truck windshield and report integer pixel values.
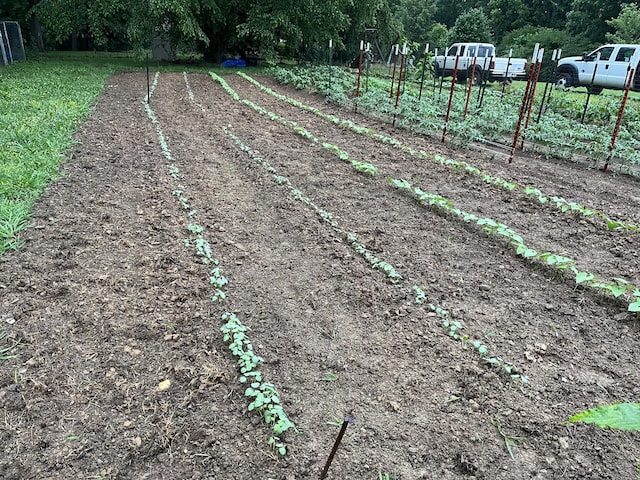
(605, 53)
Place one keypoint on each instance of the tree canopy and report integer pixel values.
(301, 30)
(626, 25)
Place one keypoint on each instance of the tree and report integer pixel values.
(626, 25)
(523, 40)
(438, 36)
(213, 27)
(588, 19)
(417, 18)
(372, 14)
(507, 15)
(472, 26)
(547, 13)
(447, 12)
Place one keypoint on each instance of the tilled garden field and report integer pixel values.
(455, 354)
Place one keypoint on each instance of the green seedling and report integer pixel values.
(499, 119)
(265, 398)
(421, 296)
(335, 420)
(509, 440)
(351, 237)
(4, 352)
(330, 377)
(387, 476)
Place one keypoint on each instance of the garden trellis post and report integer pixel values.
(506, 72)
(554, 55)
(424, 67)
(396, 47)
(453, 85)
(555, 69)
(524, 102)
(485, 80)
(330, 60)
(403, 58)
(355, 108)
(368, 57)
(590, 89)
(336, 444)
(631, 70)
(532, 96)
(435, 55)
(473, 72)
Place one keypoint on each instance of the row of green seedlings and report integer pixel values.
(446, 323)
(192, 97)
(265, 399)
(495, 123)
(452, 328)
(601, 416)
(619, 288)
(362, 167)
(554, 135)
(562, 204)
(351, 237)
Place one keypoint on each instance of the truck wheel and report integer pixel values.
(564, 80)
(477, 77)
(437, 71)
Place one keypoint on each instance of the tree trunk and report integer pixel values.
(36, 33)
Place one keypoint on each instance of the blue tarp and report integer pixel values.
(234, 62)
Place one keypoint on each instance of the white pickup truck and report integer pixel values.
(605, 67)
(487, 65)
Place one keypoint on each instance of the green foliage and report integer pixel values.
(522, 40)
(214, 27)
(588, 19)
(417, 18)
(5, 351)
(351, 237)
(387, 476)
(42, 104)
(377, 104)
(626, 25)
(99, 18)
(439, 36)
(265, 398)
(620, 416)
(509, 440)
(617, 288)
(507, 15)
(471, 26)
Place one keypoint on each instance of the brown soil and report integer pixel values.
(108, 300)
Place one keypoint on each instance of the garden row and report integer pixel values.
(617, 287)
(554, 131)
(362, 203)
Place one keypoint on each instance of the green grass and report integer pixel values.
(42, 102)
